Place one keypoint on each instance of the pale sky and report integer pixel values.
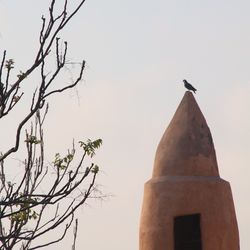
(138, 52)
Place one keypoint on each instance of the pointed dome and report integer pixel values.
(186, 147)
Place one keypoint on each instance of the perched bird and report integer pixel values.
(189, 86)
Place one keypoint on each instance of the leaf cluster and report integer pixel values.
(24, 213)
(90, 146)
(32, 139)
(63, 163)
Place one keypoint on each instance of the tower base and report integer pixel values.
(172, 200)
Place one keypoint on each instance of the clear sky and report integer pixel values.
(138, 52)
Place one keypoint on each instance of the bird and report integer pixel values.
(189, 86)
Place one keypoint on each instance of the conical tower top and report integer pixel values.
(186, 148)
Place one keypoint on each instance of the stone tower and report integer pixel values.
(186, 205)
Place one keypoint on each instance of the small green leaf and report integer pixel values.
(95, 169)
(9, 64)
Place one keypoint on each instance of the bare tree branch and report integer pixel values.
(9, 97)
(75, 234)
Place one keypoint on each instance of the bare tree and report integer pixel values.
(61, 186)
